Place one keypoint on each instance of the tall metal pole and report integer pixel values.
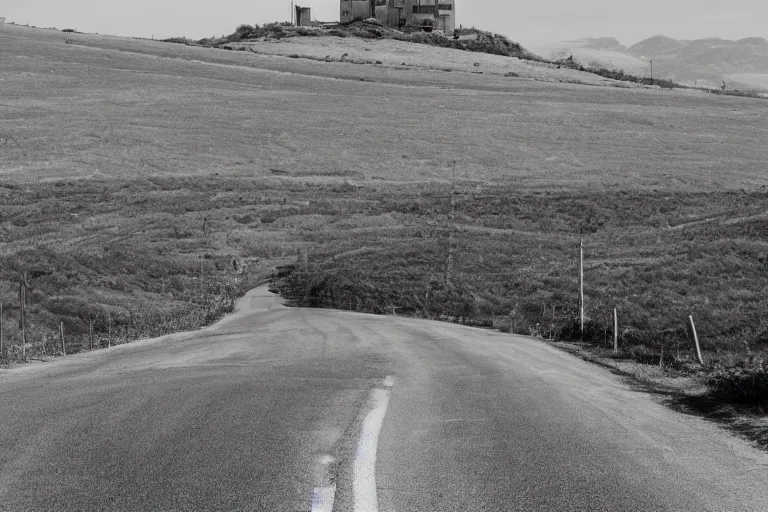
(581, 286)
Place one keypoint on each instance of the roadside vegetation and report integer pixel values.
(106, 263)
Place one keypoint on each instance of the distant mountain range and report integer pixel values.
(741, 64)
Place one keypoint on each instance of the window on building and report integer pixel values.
(345, 13)
(445, 7)
(424, 9)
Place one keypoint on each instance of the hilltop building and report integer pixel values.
(303, 16)
(403, 13)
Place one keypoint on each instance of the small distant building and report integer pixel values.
(441, 14)
(2, 19)
(303, 16)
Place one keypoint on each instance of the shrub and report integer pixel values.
(177, 40)
(746, 383)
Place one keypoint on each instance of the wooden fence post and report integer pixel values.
(109, 330)
(695, 340)
(615, 330)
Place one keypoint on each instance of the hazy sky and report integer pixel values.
(528, 22)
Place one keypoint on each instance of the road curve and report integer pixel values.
(278, 409)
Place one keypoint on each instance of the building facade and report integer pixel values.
(442, 13)
(400, 13)
(357, 9)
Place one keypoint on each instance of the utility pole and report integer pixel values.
(449, 258)
(23, 316)
(581, 287)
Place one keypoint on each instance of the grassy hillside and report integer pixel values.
(471, 40)
(144, 184)
(657, 257)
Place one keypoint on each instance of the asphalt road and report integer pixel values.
(282, 409)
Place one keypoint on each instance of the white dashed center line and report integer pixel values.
(364, 483)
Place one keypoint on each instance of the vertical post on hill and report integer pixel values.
(23, 316)
(651, 71)
(200, 280)
(615, 330)
(695, 336)
(449, 258)
(2, 344)
(581, 287)
(109, 330)
(90, 333)
(61, 337)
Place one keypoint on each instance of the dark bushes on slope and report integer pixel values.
(746, 382)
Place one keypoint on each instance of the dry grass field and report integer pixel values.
(142, 178)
